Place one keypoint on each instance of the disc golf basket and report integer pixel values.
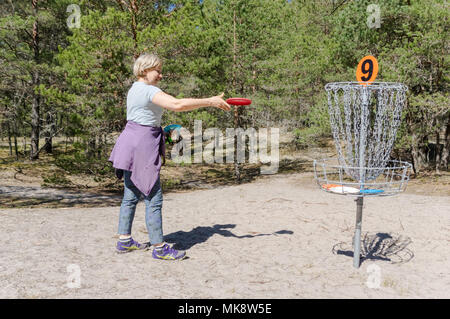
(364, 120)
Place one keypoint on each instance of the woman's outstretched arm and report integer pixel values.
(171, 103)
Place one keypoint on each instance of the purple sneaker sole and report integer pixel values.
(123, 248)
(168, 253)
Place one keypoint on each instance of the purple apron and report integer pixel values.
(138, 149)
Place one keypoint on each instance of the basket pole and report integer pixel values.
(357, 236)
(357, 133)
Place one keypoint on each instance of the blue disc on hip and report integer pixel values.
(172, 127)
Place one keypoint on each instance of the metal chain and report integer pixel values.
(364, 121)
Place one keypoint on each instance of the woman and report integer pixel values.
(138, 152)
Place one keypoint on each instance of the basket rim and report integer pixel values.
(368, 85)
(402, 164)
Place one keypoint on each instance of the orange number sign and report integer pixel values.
(367, 70)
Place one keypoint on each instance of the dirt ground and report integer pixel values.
(276, 237)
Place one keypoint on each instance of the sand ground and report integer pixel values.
(278, 237)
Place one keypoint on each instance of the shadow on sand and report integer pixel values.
(379, 246)
(185, 240)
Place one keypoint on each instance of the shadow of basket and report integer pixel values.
(379, 246)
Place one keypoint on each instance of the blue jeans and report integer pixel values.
(153, 206)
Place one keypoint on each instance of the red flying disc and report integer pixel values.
(239, 101)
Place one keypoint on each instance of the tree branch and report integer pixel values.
(338, 6)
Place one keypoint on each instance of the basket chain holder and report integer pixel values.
(364, 119)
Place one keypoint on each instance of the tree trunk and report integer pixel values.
(100, 146)
(446, 149)
(16, 150)
(134, 28)
(35, 127)
(48, 145)
(9, 138)
(91, 147)
(134, 10)
(437, 161)
(50, 125)
(418, 153)
(35, 112)
(237, 171)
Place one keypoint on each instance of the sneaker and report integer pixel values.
(125, 246)
(168, 253)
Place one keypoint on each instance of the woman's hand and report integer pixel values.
(219, 102)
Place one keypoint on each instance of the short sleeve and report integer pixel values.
(151, 91)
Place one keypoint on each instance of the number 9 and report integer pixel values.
(367, 70)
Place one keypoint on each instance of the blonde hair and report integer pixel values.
(144, 62)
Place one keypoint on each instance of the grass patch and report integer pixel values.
(309, 137)
(55, 180)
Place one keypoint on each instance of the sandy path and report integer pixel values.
(279, 237)
(51, 194)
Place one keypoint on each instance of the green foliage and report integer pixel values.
(278, 53)
(78, 163)
(412, 48)
(56, 179)
(318, 118)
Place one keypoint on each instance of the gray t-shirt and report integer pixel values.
(140, 108)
